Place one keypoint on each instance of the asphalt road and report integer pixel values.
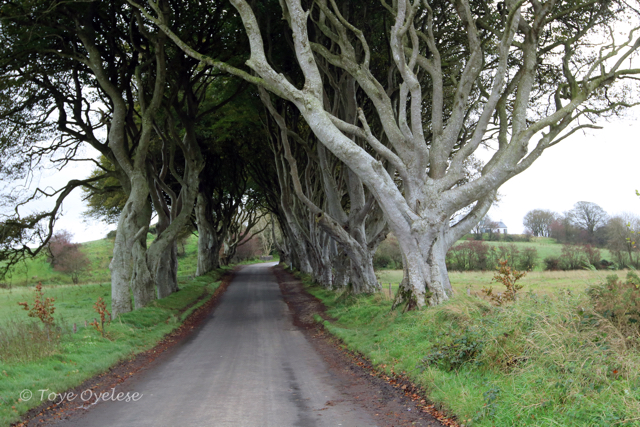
(248, 365)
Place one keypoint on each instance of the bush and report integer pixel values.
(572, 258)
(66, 257)
(473, 255)
(592, 254)
(619, 302)
(112, 235)
(382, 261)
(552, 263)
(528, 259)
(509, 278)
(576, 257)
(454, 351)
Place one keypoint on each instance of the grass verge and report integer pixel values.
(547, 360)
(75, 357)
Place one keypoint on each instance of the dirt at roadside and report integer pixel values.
(49, 414)
(393, 400)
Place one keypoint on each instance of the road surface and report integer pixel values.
(248, 365)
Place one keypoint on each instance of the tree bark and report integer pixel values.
(208, 244)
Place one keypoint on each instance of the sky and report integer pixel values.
(599, 166)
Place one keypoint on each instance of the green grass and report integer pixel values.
(546, 360)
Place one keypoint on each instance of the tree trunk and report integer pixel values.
(127, 271)
(324, 275)
(208, 244)
(167, 272)
(363, 277)
(120, 267)
(342, 268)
(425, 280)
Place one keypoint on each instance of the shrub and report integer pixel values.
(469, 256)
(112, 235)
(592, 254)
(382, 261)
(455, 351)
(572, 258)
(41, 308)
(101, 308)
(474, 255)
(619, 302)
(509, 253)
(508, 277)
(576, 257)
(66, 257)
(528, 259)
(552, 263)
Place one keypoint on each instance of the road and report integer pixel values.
(247, 365)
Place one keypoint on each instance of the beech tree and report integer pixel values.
(98, 65)
(518, 75)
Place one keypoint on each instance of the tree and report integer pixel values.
(458, 75)
(66, 257)
(538, 222)
(622, 235)
(91, 66)
(587, 216)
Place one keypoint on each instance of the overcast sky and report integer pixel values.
(599, 166)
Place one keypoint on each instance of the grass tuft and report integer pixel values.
(27, 341)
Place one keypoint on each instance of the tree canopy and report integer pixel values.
(369, 117)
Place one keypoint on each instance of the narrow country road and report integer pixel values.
(248, 365)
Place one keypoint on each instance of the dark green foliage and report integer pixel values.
(473, 255)
(454, 350)
(528, 259)
(489, 408)
(552, 263)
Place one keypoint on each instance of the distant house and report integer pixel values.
(492, 227)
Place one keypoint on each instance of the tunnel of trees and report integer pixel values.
(340, 122)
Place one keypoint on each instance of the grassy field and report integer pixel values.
(539, 282)
(545, 360)
(548, 359)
